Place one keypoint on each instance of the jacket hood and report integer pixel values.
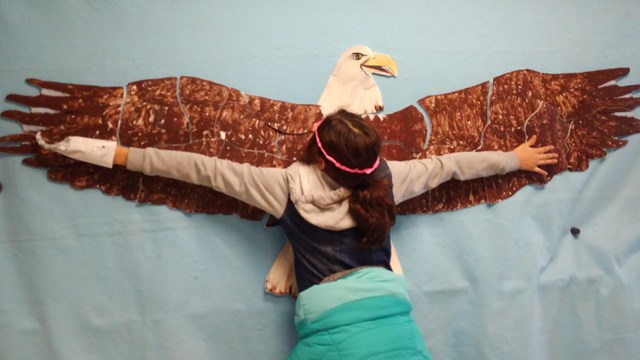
(319, 199)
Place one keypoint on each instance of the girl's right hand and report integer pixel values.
(532, 158)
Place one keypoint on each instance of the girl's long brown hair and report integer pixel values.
(354, 143)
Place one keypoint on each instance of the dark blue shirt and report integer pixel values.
(319, 253)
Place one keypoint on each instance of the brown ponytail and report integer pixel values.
(354, 143)
(373, 210)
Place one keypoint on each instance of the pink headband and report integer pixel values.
(342, 167)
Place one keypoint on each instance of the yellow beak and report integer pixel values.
(381, 64)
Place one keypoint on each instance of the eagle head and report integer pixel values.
(351, 85)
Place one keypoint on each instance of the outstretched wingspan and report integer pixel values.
(581, 114)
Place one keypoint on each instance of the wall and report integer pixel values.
(87, 276)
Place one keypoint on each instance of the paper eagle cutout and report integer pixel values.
(581, 114)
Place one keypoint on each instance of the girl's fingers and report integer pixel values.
(540, 171)
(545, 149)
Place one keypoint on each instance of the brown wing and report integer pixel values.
(184, 113)
(575, 112)
(580, 114)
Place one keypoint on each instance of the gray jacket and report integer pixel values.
(318, 199)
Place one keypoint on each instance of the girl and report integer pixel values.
(336, 206)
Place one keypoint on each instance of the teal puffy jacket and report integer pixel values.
(364, 315)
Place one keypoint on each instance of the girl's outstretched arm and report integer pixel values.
(414, 177)
(264, 188)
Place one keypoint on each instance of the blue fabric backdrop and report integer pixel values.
(88, 276)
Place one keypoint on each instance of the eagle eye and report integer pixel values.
(357, 56)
